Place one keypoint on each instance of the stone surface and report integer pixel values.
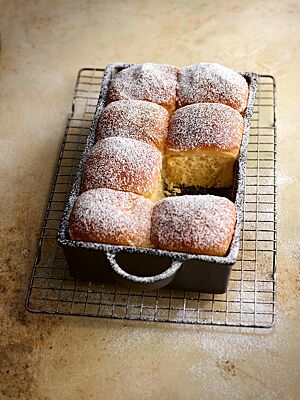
(43, 44)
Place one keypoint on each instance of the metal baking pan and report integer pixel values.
(150, 268)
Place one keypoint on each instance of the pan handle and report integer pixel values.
(141, 282)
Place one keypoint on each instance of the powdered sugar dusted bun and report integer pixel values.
(123, 164)
(136, 119)
(212, 83)
(109, 216)
(156, 83)
(207, 125)
(194, 224)
(202, 146)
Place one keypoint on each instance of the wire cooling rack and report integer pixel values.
(250, 299)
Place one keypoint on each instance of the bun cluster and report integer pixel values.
(163, 128)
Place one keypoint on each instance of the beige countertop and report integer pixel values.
(43, 45)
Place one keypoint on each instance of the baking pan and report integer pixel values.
(150, 268)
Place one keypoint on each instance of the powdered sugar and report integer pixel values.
(205, 125)
(212, 83)
(198, 224)
(109, 216)
(135, 119)
(122, 164)
(151, 82)
(113, 169)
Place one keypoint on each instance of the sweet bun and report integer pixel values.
(109, 216)
(212, 83)
(202, 145)
(136, 119)
(123, 164)
(193, 224)
(156, 83)
(144, 143)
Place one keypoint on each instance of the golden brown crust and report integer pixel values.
(114, 217)
(202, 145)
(135, 119)
(193, 224)
(212, 83)
(156, 83)
(123, 164)
(205, 125)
